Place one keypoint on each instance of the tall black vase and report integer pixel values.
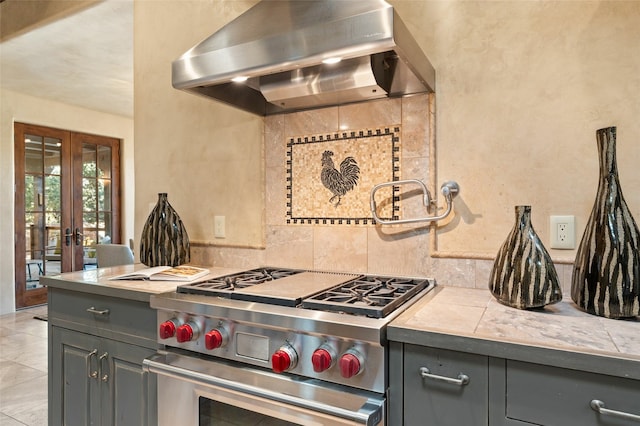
(523, 274)
(164, 240)
(606, 272)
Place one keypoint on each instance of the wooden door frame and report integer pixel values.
(69, 202)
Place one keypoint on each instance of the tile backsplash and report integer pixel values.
(330, 176)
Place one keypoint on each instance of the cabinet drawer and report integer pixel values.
(431, 400)
(123, 319)
(545, 395)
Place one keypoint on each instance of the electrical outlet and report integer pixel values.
(563, 232)
(218, 227)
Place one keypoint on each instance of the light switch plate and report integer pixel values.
(219, 227)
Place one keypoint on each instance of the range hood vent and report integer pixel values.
(279, 49)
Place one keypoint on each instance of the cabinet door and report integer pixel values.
(534, 394)
(431, 398)
(129, 394)
(96, 381)
(74, 389)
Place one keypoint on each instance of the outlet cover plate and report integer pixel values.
(562, 232)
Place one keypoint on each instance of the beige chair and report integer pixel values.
(113, 254)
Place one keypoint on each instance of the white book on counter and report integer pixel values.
(165, 273)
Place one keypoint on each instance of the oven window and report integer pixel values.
(214, 413)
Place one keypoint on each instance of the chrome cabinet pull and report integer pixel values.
(104, 371)
(93, 310)
(599, 407)
(461, 380)
(93, 374)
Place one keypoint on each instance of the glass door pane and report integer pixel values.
(91, 194)
(39, 201)
(97, 164)
(53, 206)
(42, 208)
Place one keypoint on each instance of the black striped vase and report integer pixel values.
(523, 274)
(164, 240)
(606, 272)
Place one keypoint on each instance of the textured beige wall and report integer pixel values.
(28, 109)
(522, 86)
(205, 155)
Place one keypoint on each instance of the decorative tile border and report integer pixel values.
(330, 176)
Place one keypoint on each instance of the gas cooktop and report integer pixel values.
(327, 326)
(367, 295)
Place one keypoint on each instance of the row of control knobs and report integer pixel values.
(351, 363)
(189, 331)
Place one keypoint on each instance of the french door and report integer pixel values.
(67, 200)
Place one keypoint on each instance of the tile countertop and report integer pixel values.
(96, 281)
(471, 320)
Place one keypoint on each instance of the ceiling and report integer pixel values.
(85, 59)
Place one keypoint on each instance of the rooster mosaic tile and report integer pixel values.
(330, 176)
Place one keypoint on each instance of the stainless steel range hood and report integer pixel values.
(279, 47)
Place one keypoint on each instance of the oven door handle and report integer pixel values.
(370, 414)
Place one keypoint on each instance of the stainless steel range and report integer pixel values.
(278, 346)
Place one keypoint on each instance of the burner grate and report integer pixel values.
(227, 284)
(372, 296)
(364, 295)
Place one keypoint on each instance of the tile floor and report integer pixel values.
(23, 368)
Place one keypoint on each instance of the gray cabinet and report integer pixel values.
(524, 393)
(96, 348)
(439, 387)
(459, 388)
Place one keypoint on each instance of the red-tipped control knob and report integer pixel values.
(321, 360)
(215, 339)
(280, 361)
(186, 332)
(284, 359)
(167, 329)
(350, 365)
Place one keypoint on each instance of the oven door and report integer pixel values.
(197, 391)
